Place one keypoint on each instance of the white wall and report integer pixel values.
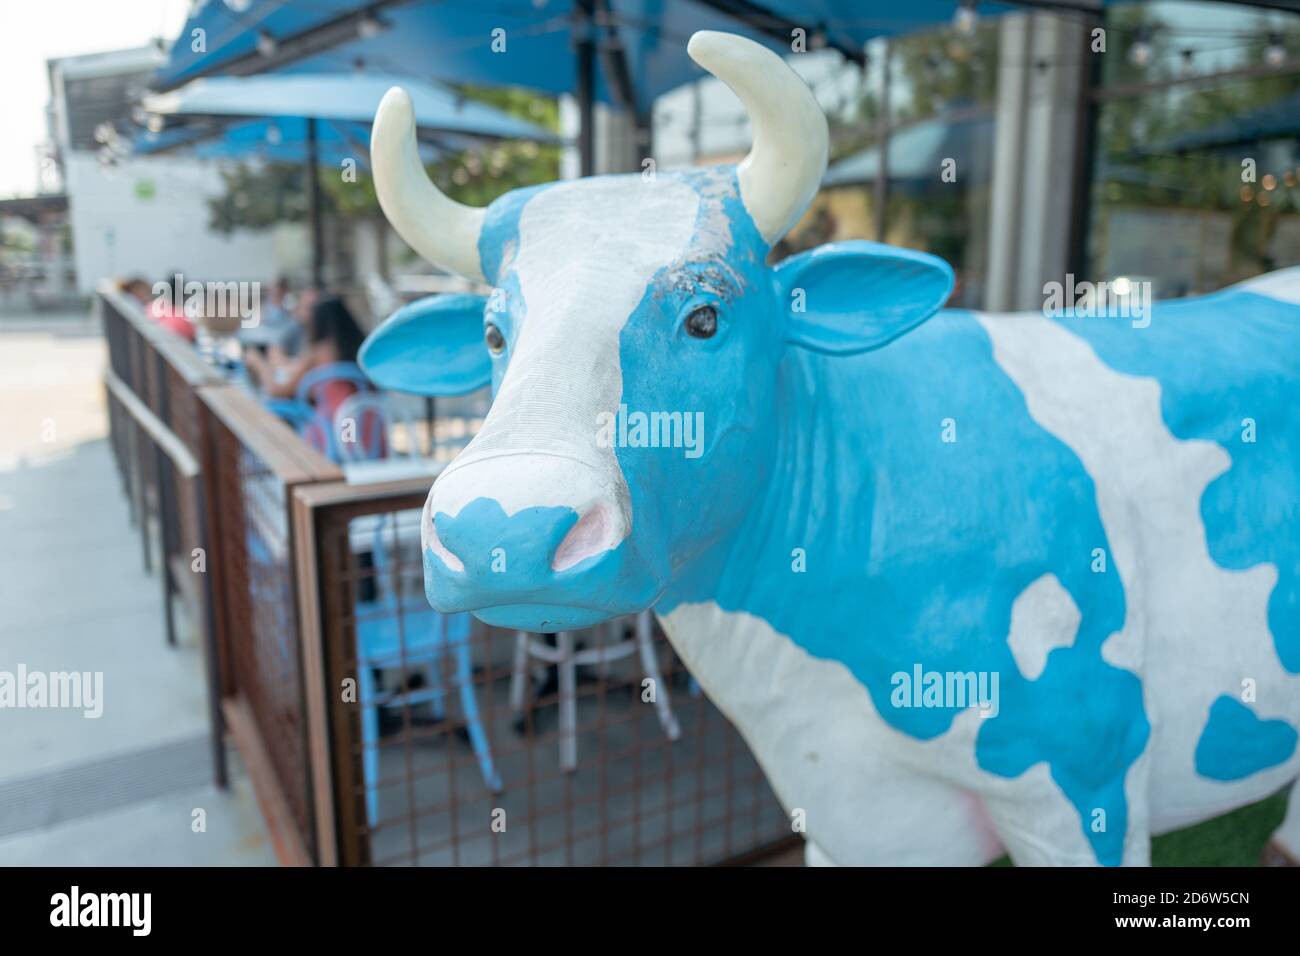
(118, 229)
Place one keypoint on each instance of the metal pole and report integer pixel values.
(211, 652)
(313, 202)
(585, 86)
(882, 146)
(1086, 164)
(164, 532)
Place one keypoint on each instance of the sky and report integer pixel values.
(33, 31)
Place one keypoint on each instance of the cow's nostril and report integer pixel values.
(593, 534)
(433, 543)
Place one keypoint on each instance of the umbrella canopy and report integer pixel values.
(316, 106)
(1279, 119)
(278, 140)
(915, 154)
(349, 98)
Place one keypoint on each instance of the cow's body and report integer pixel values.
(1071, 513)
(978, 555)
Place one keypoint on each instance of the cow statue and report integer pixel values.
(967, 584)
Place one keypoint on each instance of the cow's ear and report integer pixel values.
(851, 297)
(432, 346)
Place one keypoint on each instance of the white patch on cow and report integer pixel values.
(585, 256)
(871, 793)
(1193, 630)
(1283, 285)
(1043, 618)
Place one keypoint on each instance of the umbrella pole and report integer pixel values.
(583, 12)
(313, 202)
(882, 172)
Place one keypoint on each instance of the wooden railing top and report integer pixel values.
(178, 353)
(291, 459)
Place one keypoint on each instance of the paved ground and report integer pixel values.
(121, 788)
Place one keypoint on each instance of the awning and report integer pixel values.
(642, 43)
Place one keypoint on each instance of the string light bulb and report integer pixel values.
(965, 19)
(1139, 54)
(1275, 52)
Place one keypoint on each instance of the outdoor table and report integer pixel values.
(390, 469)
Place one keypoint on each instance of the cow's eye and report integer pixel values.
(702, 323)
(496, 342)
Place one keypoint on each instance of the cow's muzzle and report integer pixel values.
(533, 541)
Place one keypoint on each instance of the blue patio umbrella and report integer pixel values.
(915, 154)
(276, 140)
(320, 106)
(347, 97)
(1279, 119)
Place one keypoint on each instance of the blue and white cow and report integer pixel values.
(1072, 508)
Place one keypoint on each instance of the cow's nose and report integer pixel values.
(529, 539)
(473, 530)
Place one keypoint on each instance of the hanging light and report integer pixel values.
(368, 27)
(1275, 52)
(238, 6)
(965, 19)
(1139, 54)
(266, 44)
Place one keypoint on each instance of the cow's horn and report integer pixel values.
(784, 167)
(437, 227)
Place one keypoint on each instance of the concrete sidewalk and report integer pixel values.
(122, 787)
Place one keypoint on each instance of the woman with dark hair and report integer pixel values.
(332, 336)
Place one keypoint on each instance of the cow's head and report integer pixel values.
(628, 312)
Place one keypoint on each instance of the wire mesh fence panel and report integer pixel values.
(461, 744)
(251, 465)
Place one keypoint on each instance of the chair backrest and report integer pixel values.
(312, 385)
(387, 539)
(363, 427)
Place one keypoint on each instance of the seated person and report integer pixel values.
(160, 309)
(332, 336)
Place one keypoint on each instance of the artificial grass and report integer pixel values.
(1234, 839)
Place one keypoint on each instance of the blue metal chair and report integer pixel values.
(308, 412)
(317, 378)
(393, 632)
(365, 424)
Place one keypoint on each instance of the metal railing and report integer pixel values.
(358, 760)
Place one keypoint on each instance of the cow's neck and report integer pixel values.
(814, 481)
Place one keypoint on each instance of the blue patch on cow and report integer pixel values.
(1236, 743)
(1220, 359)
(507, 561)
(916, 548)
